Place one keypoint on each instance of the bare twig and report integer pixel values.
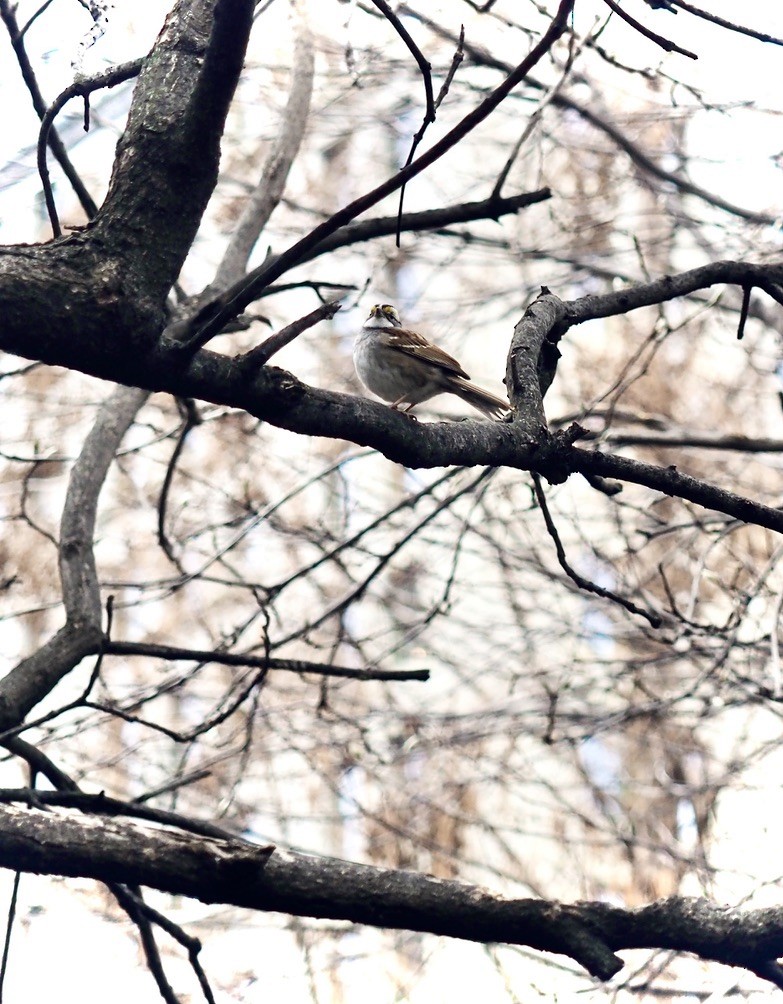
(580, 580)
(9, 926)
(415, 51)
(131, 905)
(191, 418)
(175, 653)
(535, 118)
(746, 292)
(262, 353)
(426, 73)
(456, 60)
(731, 25)
(8, 15)
(80, 88)
(664, 43)
(34, 17)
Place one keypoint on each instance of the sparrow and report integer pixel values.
(401, 366)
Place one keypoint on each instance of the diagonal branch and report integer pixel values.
(637, 156)
(579, 580)
(269, 190)
(243, 293)
(664, 43)
(8, 15)
(730, 25)
(262, 353)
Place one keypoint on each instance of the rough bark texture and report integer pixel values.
(259, 878)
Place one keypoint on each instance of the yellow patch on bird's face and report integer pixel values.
(389, 312)
(383, 315)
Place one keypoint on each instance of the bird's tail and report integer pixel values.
(481, 400)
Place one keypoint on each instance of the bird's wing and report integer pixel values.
(416, 345)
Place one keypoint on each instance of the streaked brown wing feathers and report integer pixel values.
(416, 345)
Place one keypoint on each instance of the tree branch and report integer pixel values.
(175, 653)
(8, 15)
(82, 87)
(269, 190)
(33, 678)
(637, 156)
(245, 875)
(243, 293)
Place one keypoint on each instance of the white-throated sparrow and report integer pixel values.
(401, 366)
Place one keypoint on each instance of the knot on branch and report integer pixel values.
(552, 458)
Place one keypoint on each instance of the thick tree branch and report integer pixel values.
(32, 679)
(669, 287)
(167, 160)
(246, 875)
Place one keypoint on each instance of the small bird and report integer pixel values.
(401, 366)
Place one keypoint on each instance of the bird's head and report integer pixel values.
(383, 315)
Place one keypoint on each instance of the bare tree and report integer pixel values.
(511, 687)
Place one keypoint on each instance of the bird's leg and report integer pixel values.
(403, 411)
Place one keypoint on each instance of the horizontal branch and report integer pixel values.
(427, 220)
(237, 873)
(670, 287)
(673, 440)
(176, 654)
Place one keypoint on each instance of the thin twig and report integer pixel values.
(34, 17)
(423, 64)
(191, 418)
(80, 88)
(579, 580)
(174, 653)
(174, 785)
(746, 291)
(664, 43)
(698, 12)
(8, 929)
(429, 111)
(774, 646)
(149, 946)
(191, 945)
(535, 118)
(8, 15)
(456, 59)
(261, 354)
